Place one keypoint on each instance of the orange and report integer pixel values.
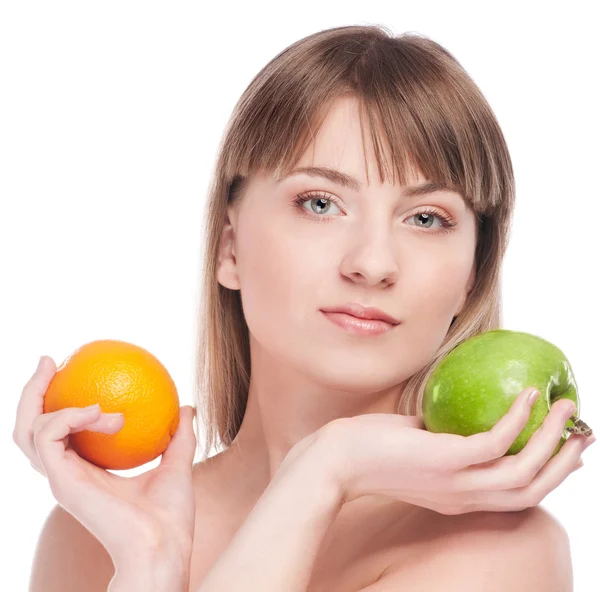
(122, 378)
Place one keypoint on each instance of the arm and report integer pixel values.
(276, 547)
(68, 558)
(156, 572)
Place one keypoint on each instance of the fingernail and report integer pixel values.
(90, 407)
(533, 396)
(114, 415)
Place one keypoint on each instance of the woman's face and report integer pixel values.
(373, 245)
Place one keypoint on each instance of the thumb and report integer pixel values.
(182, 448)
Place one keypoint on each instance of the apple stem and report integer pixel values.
(579, 427)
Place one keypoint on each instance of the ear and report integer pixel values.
(227, 274)
(468, 288)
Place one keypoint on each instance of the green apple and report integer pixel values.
(476, 383)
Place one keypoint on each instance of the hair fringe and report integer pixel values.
(417, 99)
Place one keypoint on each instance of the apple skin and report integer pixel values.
(477, 382)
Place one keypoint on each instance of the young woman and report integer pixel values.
(362, 173)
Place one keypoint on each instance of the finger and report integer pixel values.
(182, 448)
(31, 405)
(48, 436)
(107, 423)
(542, 444)
(577, 466)
(38, 470)
(517, 471)
(495, 442)
(553, 473)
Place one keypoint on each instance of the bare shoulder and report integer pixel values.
(531, 529)
(68, 557)
(484, 551)
(531, 521)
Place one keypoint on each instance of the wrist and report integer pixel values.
(332, 452)
(159, 570)
(317, 462)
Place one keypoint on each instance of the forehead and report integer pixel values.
(420, 188)
(340, 145)
(341, 150)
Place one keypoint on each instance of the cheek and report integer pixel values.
(277, 277)
(435, 294)
(285, 277)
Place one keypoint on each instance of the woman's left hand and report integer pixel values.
(394, 455)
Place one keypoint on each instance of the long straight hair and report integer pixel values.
(420, 101)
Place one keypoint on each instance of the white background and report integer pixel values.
(110, 118)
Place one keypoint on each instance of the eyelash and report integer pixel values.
(447, 222)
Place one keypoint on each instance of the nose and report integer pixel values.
(371, 260)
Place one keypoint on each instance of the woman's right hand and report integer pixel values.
(393, 455)
(149, 515)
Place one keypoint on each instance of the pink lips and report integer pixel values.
(363, 312)
(352, 324)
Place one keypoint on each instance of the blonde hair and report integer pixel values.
(432, 116)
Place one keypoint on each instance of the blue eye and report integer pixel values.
(316, 197)
(430, 213)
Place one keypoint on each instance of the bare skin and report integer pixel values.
(288, 263)
(307, 372)
(368, 538)
(367, 247)
(272, 503)
(362, 542)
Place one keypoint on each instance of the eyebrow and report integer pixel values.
(351, 182)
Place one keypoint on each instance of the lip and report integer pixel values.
(365, 313)
(356, 326)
